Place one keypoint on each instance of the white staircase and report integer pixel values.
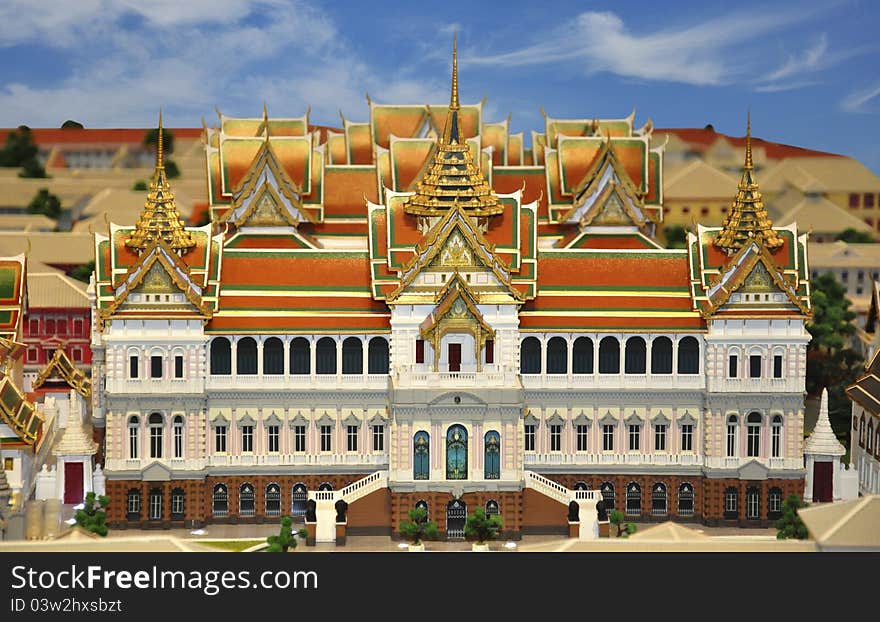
(586, 500)
(362, 487)
(325, 502)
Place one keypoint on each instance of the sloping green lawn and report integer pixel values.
(233, 546)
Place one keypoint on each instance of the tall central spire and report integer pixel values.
(747, 218)
(451, 176)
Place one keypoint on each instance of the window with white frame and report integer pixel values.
(273, 438)
(753, 504)
(555, 437)
(731, 502)
(133, 440)
(178, 366)
(776, 437)
(733, 366)
(247, 438)
(178, 436)
(155, 366)
(326, 438)
(687, 437)
(155, 504)
(660, 437)
(299, 438)
(583, 438)
(157, 425)
(177, 504)
(753, 434)
(754, 366)
(133, 366)
(529, 433)
(774, 504)
(133, 504)
(608, 437)
(378, 438)
(220, 439)
(351, 435)
(777, 366)
(731, 436)
(635, 433)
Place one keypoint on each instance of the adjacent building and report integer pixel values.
(864, 450)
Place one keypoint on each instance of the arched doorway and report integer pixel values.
(823, 478)
(456, 513)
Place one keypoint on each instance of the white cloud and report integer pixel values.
(809, 60)
(858, 101)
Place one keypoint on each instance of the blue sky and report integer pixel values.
(809, 70)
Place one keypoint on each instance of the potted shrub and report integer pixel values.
(93, 516)
(624, 529)
(482, 528)
(286, 538)
(418, 528)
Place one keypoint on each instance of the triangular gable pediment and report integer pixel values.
(61, 367)
(156, 472)
(456, 303)
(752, 470)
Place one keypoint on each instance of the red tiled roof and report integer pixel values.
(52, 136)
(703, 138)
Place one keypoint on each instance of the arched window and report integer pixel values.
(177, 432)
(273, 500)
(862, 431)
(246, 356)
(776, 437)
(421, 504)
(658, 499)
(298, 499)
(774, 504)
(581, 485)
(877, 441)
(609, 356)
(456, 453)
(731, 503)
(221, 357)
(607, 489)
(633, 499)
(155, 504)
(157, 435)
(273, 356)
(661, 355)
(133, 504)
(377, 356)
(582, 356)
(753, 503)
(300, 357)
(178, 504)
(246, 506)
(870, 436)
(325, 356)
(134, 424)
(220, 501)
(492, 508)
(325, 486)
(635, 356)
(530, 356)
(731, 436)
(753, 434)
(557, 356)
(352, 356)
(421, 453)
(686, 500)
(492, 468)
(689, 356)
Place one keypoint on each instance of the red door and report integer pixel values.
(454, 357)
(823, 482)
(73, 482)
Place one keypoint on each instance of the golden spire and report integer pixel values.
(160, 218)
(747, 218)
(451, 175)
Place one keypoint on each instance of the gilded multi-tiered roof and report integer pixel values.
(160, 218)
(747, 218)
(451, 174)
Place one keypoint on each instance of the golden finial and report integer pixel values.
(160, 158)
(265, 122)
(748, 165)
(453, 101)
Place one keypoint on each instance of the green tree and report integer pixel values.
(676, 236)
(171, 170)
(93, 517)
(832, 363)
(151, 138)
(19, 147)
(82, 273)
(286, 538)
(70, 124)
(418, 527)
(140, 185)
(32, 169)
(791, 526)
(45, 203)
(851, 236)
(482, 527)
(624, 529)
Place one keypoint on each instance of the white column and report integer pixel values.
(364, 343)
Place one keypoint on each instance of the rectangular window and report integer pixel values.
(62, 328)
(420, 350)
(530, 437)
(582, 438)
(378, 438)
(352, 437)
(733, 366)
(731, 440)
(777, 366)
(133, 442)
(33, 327)
(853, 199)
(634, 437)
(78, 328)
(776, 441)
(133, 366)
(177, 504)
(326, 438)
(155, 367)
(77, 355)
(32, 355)
(755, 366)
(490, 352)
(50, 327)
(178, 366)
(556, 437)
(869, 200)
(247, 438)
(608, 437)
(156, 441)
(299, 438)
(687, 437)
(753, 434)
(273, 438)
(178, 441)
(660, 437)
(220, 439)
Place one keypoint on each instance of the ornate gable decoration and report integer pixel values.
(60, 366)
(18, 413)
